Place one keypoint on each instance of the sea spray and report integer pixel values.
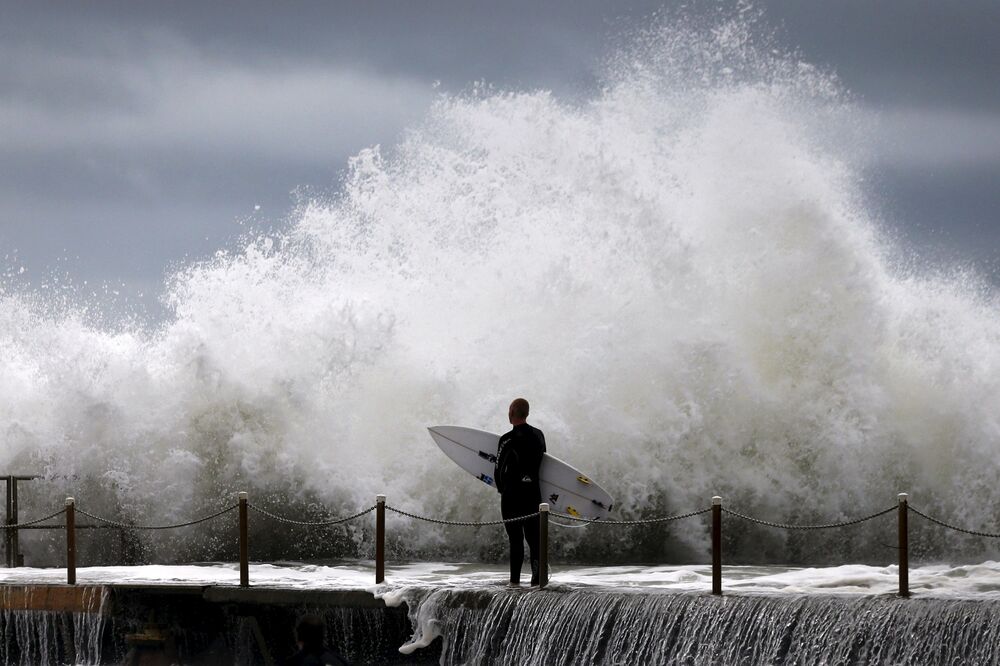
(681, 272)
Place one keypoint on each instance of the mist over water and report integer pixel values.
(681, 272)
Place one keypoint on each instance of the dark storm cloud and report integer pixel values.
(938, 138)
(139, 133)
(176, 95)
(134, 145)
(903, 51)
(516, 42)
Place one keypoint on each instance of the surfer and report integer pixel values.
(519, 456)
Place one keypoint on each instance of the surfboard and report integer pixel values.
(565, 488)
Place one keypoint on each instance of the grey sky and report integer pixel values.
(134, 135)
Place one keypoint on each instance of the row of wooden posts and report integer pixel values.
(543, 527)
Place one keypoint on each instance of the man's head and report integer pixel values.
(518, 411)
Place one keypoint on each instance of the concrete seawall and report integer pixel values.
(192, 624)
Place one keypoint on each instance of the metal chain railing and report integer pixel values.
(954, 527)
(463, 523)
(825, 526)
(324, 523)
(35, 521)
(543, 514)
(130, 526)
(486, 523)
(643, 521)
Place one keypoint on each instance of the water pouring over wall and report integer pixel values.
(583, 627)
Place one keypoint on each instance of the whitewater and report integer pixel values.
(410, 581)
(684, 270)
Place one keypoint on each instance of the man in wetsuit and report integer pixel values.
(519, 455)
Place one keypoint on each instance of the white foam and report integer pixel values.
(978, 581)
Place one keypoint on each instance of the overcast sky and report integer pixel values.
(136, 135)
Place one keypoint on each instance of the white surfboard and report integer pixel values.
(565, 488)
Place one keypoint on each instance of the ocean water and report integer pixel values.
(683, 270)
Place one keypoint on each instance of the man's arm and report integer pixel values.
(541, 438)
(533, 452)
(505, 449)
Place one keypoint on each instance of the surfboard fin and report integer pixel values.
(488, 456)
(486, 478)
(584, 480)
(573, 512)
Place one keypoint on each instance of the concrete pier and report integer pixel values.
(195, 624)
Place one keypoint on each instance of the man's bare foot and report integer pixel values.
(513, 584)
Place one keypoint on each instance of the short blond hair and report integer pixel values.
(519, 408)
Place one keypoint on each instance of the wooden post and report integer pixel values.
(904, 545)
(244, 542)
(70, 541)
(543, 545)
(11, 520)
(12, 538)
(716, 545)
(379, 539)
(15, 537)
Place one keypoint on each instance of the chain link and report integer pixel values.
(36, 521)
(953, 527)
(809, 527)
(464, 523)
(336, 521)
(643, 521)
(485, 523)
(129, 526)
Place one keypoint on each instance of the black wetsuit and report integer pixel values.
(519, 455)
